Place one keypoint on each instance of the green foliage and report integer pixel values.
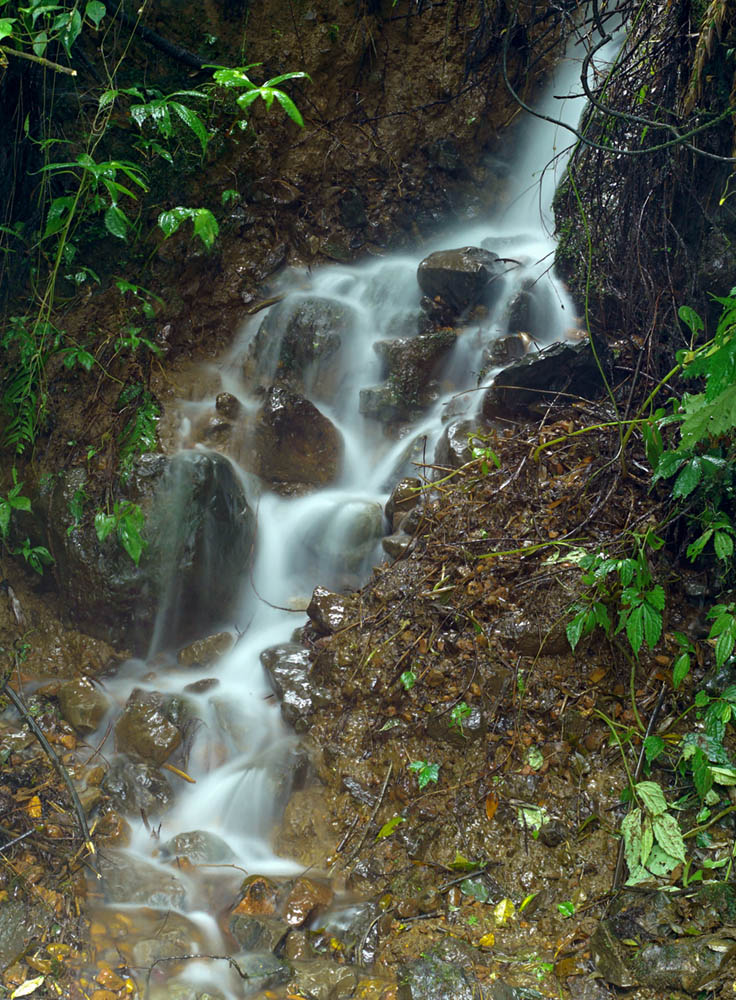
(205, 224)
(408, 679)
(139, 434)
(653, 843)
(625, 585)
(36, 556)
(237, 79)
(425, 771)
(458, 715)
(128, 522)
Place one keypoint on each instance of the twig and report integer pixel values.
(38, 59)
(58, 766)
(377, 806)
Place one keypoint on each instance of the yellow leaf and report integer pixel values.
(35, 811)
(488, 940)
(28, 987)
(502, 912)
(491, 805)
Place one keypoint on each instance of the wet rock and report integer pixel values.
(454, 446)
(173, 935)
(288, 668)
(529, 309)
(323, 980)
(136, 788)
(262, 971)
(133, 880)
(409, 365)
(257, 933)
(534, 381)
(196, 516)
(504, 350)
(404, 497)
(144, 730)
(433, 978)
(228, 405)
(530, 637)
(20, 922)
(199, 846)
(298, 946)
(397, 544)
(352, 209)
(294, 442)
(307, 833)
(329, 612)
(445, 153)
(356, 928)
(297, 342)
(470, 727)
(260, 897)
(461, 278)
(82, 705)
(306, 898)
(202, 686)
(205, 652)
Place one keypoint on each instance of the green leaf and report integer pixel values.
(193, 121)
(574, 630)
(688, 479)
(425, 772)
(95, 11)
(723, 544)
(724, 646)
(702, 774)
(661, 863)
(668, 835)
(462, 864)
(289, 107)
(6, 27)
(691, 319)
(476, 889)
(19, 503)
(647, 840)
(680, 669)
(71, 31)
(130, 538)
(723, 775)
(388, 828)
(5, 511)
(631, 832)
(653, 747)
(55, 217)
(566, 909)
(408, 679)
(116, 222)
(205, 226)
(652, 796)
(104, 525)
(635, 628)
(652, 621)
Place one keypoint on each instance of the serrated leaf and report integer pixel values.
(724, 646)
(661, 863)
(635, 629)
(652, 796)
(652, 620)
(723, 775)
(668, 835)
(574, 629)
(653, 747)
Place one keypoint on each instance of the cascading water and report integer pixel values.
(241, 754)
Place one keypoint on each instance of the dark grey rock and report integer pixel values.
(288, 668)
(329, 612)
(127, 879)
(199, 846)
(144, 731)
(257, 933)
(352, 209)
(137, 787)
(21, 921)
(535, 380)
(460, 278)
(404, 497)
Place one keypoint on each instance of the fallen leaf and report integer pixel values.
(35, 811)
(491, 805)
(28, 987)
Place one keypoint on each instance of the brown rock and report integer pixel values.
(143, 731)
(459, 277)
(204, 652)
(404, 497)
(305, 899)
(228, 405)
(260, 897)
(294, 442)
(82, 705)
(329, 612)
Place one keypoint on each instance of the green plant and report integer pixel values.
(653, 843)
(425, 772)
(37, 556)
(408, 679)
(458, 715)
(237, 79)
(128, 522)
(139, 433)
(626, 585)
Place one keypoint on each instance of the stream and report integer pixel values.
(242, 755)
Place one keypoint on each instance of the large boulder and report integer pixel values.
(460, 278)
(297, 342)
(294, 443)
(197, 517)
(145, 730)
(288, 668)
(534, 381)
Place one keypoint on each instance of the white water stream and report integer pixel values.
(241, 751)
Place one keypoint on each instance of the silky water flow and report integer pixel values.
(242, 754)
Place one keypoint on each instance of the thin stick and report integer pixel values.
(38, 59)
(377, 806)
